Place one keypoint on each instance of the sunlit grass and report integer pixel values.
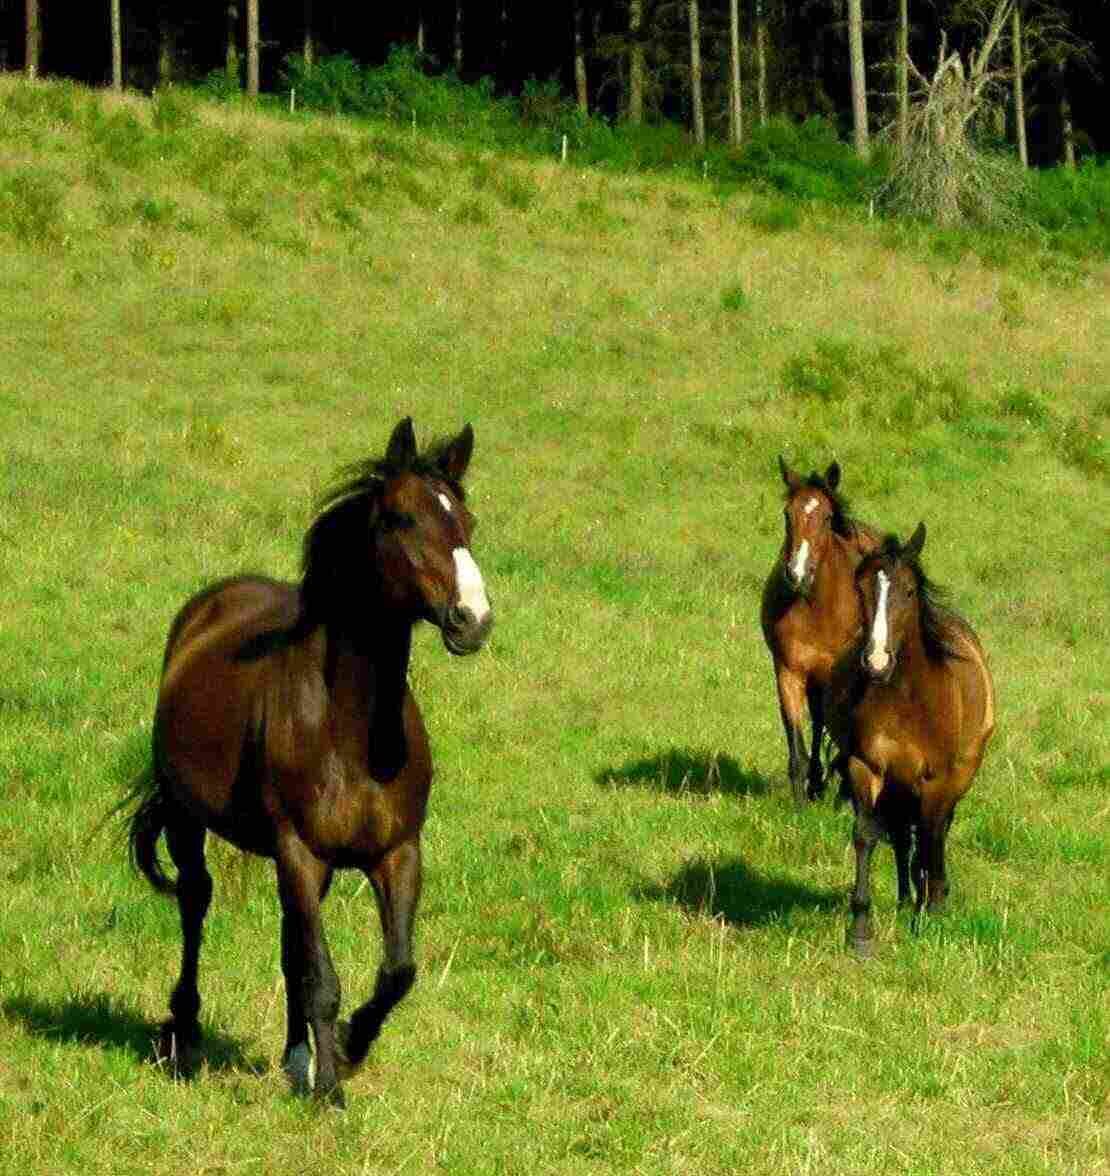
(631, 947)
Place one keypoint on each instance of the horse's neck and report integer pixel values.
(833, 572)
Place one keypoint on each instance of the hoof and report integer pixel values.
(176, 1051)
(298, 1068)
(816, 791)
(344, 1067)
(333, 1098)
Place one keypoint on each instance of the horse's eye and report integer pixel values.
(397, 520)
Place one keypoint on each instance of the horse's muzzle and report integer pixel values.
(462, 632)
(879, 668)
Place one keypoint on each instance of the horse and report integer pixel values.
(809, 609)
(910, 709)
(285, 725)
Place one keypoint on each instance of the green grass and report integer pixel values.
(631, 947)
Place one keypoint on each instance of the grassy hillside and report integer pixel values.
(631, 946)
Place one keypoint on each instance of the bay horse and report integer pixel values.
(809, 611)
(285, 725)
(911, 710)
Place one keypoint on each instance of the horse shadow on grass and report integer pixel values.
(731, 890)
(102, 1020)
(681, 771)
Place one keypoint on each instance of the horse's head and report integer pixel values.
(812, 514)
(890, 584)
(411, 509)
(423, 538)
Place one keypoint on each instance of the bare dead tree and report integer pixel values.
(309, 49)
(940, 174)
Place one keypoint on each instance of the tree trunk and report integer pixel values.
(252, 48)
(580, 84)
(231, 43)
(117, 46)
(735, 109)
(1019, 90)
(34, 41)
(309, 39)
(165, 47)
(695, 74)
(420, 30)
(761, 61)
(861, 137)
(903, 73)
(635, 62)
(458, 36)
(1067, 127)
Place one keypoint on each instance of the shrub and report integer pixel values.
(31, 205)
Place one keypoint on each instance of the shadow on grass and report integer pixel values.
(733, 891)
(680, 771)
(102, 1020)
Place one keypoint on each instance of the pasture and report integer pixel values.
(631, 945)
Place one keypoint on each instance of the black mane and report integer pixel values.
(334, 569)
(937, 617)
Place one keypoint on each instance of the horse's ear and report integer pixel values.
(788, 475)
(916, 543)
(454, 457)
(402, 445)
(832, 475)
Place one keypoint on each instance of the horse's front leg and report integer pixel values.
(296, 1058)
(312, 987)
(792, 692)
(866, 786)
(396, 880)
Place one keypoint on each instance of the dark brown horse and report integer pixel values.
(911, 709)
(285, 724)
(810, 613)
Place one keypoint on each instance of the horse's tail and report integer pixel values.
(147, 821)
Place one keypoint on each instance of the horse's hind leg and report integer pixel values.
(902, 839)
(180, 1036)
(396, 880)
(312, 987)
(814, 696)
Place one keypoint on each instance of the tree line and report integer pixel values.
(718, 66)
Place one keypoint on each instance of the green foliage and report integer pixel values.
(806, 161)
(1072, 207)
(31, 205)
(121, 139)
(888, 387)
(173, 110)
(733, 298)
(774, 216)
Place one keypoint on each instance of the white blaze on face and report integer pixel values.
(878, 656)
(472, 589)
(801, 557)
(810, 506)
(446, 502)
